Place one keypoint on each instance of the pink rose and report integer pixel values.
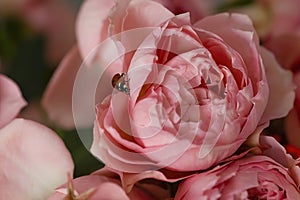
(106, 185)
(253, 177)
(196, 93)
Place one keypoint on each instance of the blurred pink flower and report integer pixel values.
(104, 184)
(257, 176)
(34, 161)
(11, 100)
(54, 19)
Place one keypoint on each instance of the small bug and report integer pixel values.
(120, 82)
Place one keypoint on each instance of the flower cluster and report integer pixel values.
(180, 100)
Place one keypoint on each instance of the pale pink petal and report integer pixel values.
(282, 93)
(34, 161)
(11, 100)
(57, 99)
(137, 14)
(239, 33)
(92, 24)
(143, 13)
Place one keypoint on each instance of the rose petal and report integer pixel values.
(34, 161)
(11, 100)
(239, 34)
(282, 93)
(92, 24)
(57, 99)
(137, 14)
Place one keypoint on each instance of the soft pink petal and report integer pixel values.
(57, 99)
(239, 34)
(34, 161)
(11, 100)
(92, 24)
(137, 14)
(282, 93)
(143, 13)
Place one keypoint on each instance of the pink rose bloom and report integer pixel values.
(249, 178)
(106, 185)
(195, 91)
(34, 161)
(272, 175)
(11, 100)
